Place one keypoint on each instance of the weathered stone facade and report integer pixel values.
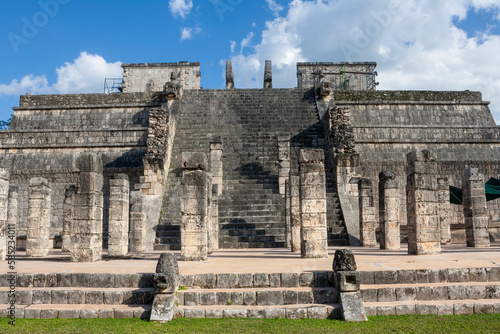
(143, 132)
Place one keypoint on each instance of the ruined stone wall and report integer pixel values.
(49, 131)
(342, 76)
(460, 132)
(152, 77)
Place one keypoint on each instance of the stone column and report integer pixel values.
(268, 75)
(475, 213)
(39, 205)
(68, 204)
(216, 151)
(137, 234)
(86, 239)
(295, 221)
(229, 75)
(13, 213)
(288, 214)
(194, 207)
(4, 203)
(390, 235)
(4, 200)
(209, 216)
(313, 203)
(367, 220)
(283, 162)
(421, 199)
(118, 223)
(213, 239)
(444, 210)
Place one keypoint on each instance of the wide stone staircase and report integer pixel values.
(293, 295)
(79, 295)
(249, 122)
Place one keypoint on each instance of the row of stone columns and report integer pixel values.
(83, 215)
(428, 208)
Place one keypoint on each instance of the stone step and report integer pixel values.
(70, 295)
(305, 311)
(251, 238)
(430, 291)
(234, 221)
(84, 311)
(254, 216)
(257, 296)
(79, 280)
(243, 231)
(251, 226)
(167, 245)
(440, 307)
(241, 245)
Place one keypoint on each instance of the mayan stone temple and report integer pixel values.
(323, 182)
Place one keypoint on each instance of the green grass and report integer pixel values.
(484, 323)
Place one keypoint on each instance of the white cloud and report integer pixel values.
(180, 8)
(187, 32)
(276, 8)
(414, 43)
(85, 74)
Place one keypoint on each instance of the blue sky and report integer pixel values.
(70, 46)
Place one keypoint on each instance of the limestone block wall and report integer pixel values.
(349, 76)
(48, 131)
(151, 77)
(456, 126)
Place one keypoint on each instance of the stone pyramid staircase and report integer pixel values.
(249, 122)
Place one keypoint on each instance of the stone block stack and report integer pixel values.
(4, 199)
(68, 204)
(422, 204)
(39, 211)
(87, 224)
(475, 212)
(313, 203)
(390, 235)
(295, 221)
(119, 194)
(194, 207)
(367, 220)
(444, 210)
(137, 234)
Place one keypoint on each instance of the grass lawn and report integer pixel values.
(484, 323)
